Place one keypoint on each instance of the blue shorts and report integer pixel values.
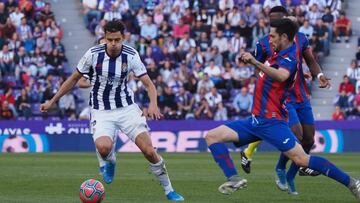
(273, 131)
(300, 113)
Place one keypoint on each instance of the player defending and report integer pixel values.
(112, 102)
(301, 119)
(269, 116)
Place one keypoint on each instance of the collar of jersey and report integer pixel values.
(285, 51)
(113, 58)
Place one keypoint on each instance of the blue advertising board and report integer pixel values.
(167, 136)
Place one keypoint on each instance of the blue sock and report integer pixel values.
(327, 168)
(281, 164)
(290, 175)
(222, 157)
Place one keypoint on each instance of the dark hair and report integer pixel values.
(114, 25)
(285, 26)
(278, 9)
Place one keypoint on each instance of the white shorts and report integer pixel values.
(129, 120)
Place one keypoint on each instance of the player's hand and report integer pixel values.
(153, 112)
(307, 75)
(324, 82)
(246, 57)
(45, 106)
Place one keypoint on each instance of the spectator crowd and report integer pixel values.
(32, 60)
(190, 48)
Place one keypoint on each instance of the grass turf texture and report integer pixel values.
(56, 177)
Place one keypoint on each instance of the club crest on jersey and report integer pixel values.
(124, 67)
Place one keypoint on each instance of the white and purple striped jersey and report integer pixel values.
(109, 76)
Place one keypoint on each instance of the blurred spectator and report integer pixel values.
(5, 112)
(158, 16)
(205, 83)
(180, 30)
(7, 65)
(11, 5)
(307, 29)
(233, 17)
(16, 16)
(183, 5)
(353, 72)
(323, 34)
(90, 12)
(342, 28)
(44, 43)
(114, 13)
(236, 43)
(175, 16)
(346, 86)
(316, 47)
(243, 103)
(167, 102)
(141, 17)
(46, 14)
(3, 14)
(8, 100)
(214, 72)
(226, 5)
(67, 105)
(184, 103)
(221, 113)
(249, 16)
(149, 30)
(23, 104)
(321, 4)
(271, 3)
(313, 14)
(202, 109)
(338, 114)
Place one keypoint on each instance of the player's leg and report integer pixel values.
(135, 127)
(298, 155)
(104, 138)
(306, 118)
(246, 156)
(239, 132)
(280, 169)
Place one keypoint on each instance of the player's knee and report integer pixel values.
(104, 150)
(301, 160)
(211, 137)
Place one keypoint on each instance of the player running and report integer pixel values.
(269, 116)
(301, 119)
(112, 101)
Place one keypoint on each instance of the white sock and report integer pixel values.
(161, 174)
(102, 162)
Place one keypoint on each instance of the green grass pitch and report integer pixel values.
(56, 177)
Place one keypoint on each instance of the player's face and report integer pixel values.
(113, 42)
(274, 39)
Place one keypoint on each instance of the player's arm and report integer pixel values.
(153, 111)
(84, 83)
(315, 69)
(64, 89)
(279, 75)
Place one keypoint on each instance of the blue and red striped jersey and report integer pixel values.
(270, 95)
(300, 92)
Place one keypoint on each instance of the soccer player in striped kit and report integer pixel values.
(301, 119)
(113, 108)
(269, 116)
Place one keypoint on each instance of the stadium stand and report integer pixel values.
(32, 60)
(190, 48)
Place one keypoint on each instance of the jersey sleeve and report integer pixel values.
(85, 63)
(288, 64)
(137, 66)
(304, 42)
(260, 54)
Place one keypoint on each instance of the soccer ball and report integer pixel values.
(92, 191)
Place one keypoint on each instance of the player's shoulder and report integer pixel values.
(126, 49)
(301, 36)
(264, 39)
(97, 49)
